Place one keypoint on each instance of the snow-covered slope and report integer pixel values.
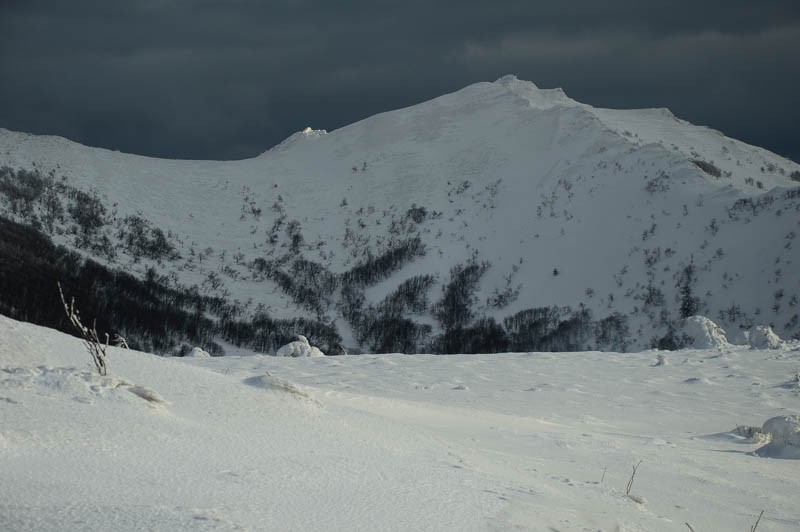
(533, 441)
(571, 205)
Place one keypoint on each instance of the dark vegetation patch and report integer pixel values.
(140, 238)
(388, 327)
(707, 167)
(149, 313)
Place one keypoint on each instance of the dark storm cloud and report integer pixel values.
(229, 78)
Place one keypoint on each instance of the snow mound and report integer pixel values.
(281, 386)
(784, 432)
(198, 352)
(763, 337)
(74, 384)
(299, 348)
(147, 394)
(704, 333)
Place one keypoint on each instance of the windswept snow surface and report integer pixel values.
(486, 442)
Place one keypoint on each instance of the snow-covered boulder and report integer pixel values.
(763, 337)
(784, 433)
(197, 352)
(704, 333)
(299, 348)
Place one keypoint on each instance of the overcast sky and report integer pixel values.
(224, 79)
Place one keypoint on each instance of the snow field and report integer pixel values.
(534, 441)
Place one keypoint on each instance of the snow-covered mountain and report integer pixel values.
(499, 217)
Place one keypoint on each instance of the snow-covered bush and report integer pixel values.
(784, 433)
(763, 337)
(704, 333)
(785, 429)
(299, 348)
(198, 352)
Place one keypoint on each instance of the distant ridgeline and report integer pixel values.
(156, 313)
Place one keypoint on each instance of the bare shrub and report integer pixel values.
(97, 350)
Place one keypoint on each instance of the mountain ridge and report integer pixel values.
(571, 205)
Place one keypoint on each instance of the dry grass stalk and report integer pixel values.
(91, 340)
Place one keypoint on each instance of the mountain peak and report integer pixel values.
(537, 97)
(511, 79)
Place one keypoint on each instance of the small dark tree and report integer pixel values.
(294, 232)
(689, 304)
(671, 341)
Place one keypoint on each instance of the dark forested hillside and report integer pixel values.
(148, 313)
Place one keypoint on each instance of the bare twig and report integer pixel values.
(604, 475)
(119, 341)
(630, 482)
(90, 338)
(755, 525)
(690, 527)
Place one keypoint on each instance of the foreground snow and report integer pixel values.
(491, 442)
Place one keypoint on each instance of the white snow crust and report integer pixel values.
(526, 441)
